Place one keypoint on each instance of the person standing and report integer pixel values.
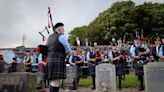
(35, 64)
(58, 47)
(28, 62)
(16, 60)
(41, 52)
(77, 42)
(161, 51)
(156, 50)
(93, 58)
(86, 43)
(139, 52)
(76, 59)
(118, 60)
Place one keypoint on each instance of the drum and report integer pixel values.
(8, 56)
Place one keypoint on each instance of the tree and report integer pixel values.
(121, 19)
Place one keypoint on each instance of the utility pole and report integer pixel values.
(23, 39)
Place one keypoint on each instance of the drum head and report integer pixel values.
(8, 56)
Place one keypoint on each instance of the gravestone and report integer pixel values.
(154, 77)
(105, 78)
(18, 82)
(70, 82)
(21, 67)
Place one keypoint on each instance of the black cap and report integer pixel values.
(58, 25)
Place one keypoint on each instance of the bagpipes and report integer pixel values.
(77, 58)
(50, 24)
(123, 53)
(41, 33)
(43, 49)
(140, 49)
(98, 57)
(142, 57)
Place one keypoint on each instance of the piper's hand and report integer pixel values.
(78, 62)
(92, 60)
(43, 63)
(118, 58)
(121, 56)
(141, 53)
(73, 64)
(137, 57)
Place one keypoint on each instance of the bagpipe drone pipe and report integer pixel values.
(43, 49)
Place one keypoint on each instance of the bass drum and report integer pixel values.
(8, 56)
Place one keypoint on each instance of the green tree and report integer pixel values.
(122, 19)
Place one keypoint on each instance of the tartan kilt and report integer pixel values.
(120, 68)
(140, 66)
(79, 71)
(56, 66)
(92, 69)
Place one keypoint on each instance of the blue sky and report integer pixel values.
(18, 17)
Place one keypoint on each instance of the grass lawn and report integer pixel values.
(130, 81)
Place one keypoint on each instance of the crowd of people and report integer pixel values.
(123, 55)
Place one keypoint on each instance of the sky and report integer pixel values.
(28, 17)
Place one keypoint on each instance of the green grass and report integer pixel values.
(130, 81)
(85, 82)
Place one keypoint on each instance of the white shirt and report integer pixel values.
(78, 42)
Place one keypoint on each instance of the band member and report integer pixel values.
(93, 58)
(118, 60)
(76, 59)
(121, 45)
(91, 64)
(57, 49)
(139, 52)
(104, 55)
(99, 57)
(124, 51)
(35, 64)
(156, 50)
(13, 67)
(85, 66)
(161, 51)
(41, 52)
(28, 62)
